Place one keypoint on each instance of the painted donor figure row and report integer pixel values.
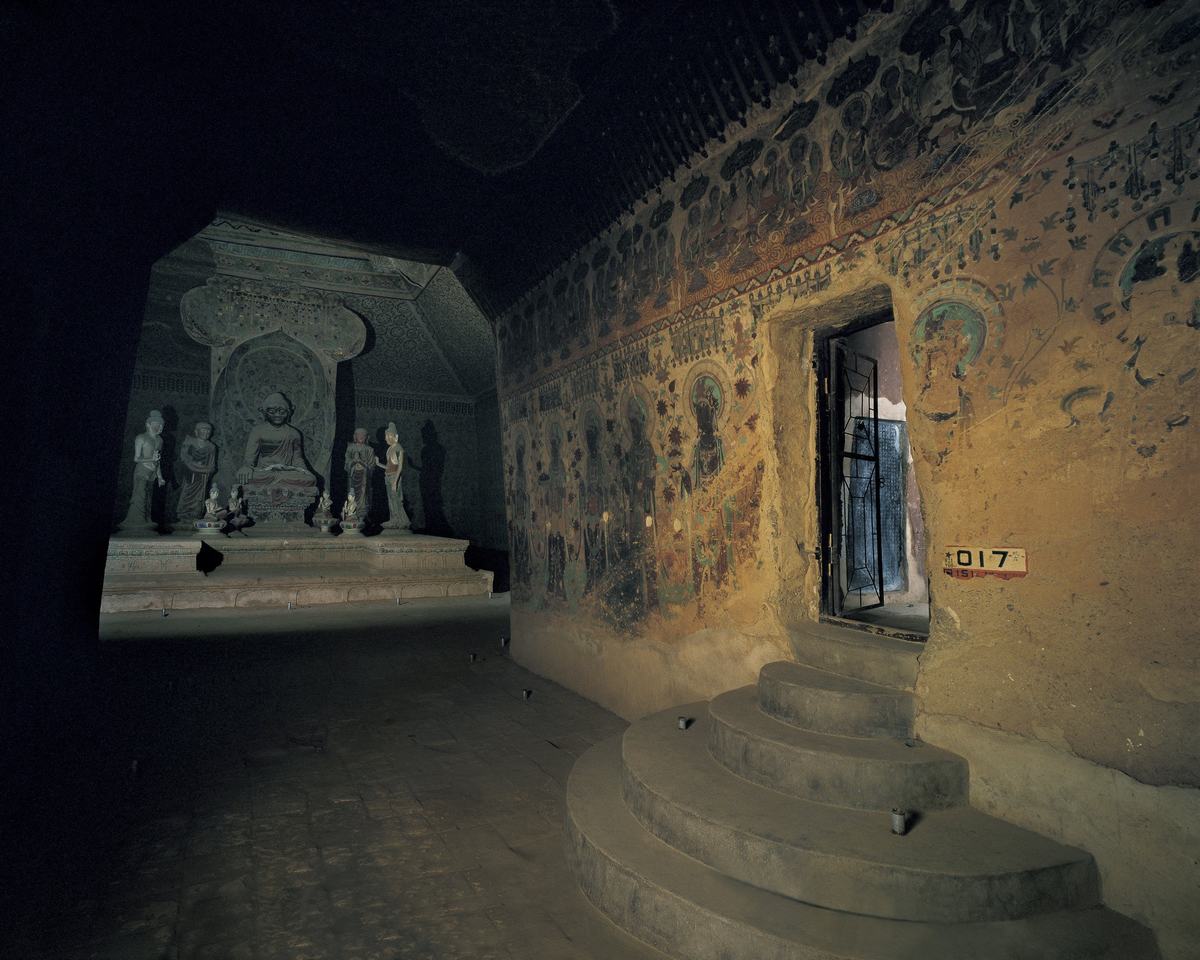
(645, 499)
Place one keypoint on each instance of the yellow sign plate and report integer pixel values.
(969, 561)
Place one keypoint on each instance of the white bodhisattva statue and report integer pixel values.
(147, 473)
(350, 508)
(393, 467)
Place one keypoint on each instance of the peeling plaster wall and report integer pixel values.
(1020, 189)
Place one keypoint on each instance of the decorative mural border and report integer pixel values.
(171, 382)
(415, 403)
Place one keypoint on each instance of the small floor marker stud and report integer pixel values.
(164, 611)
(503, 644)
(290, 605)
(527, 693)
(684, 722)
(471, 658)
(899, 821)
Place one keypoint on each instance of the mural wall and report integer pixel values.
(1018, 183)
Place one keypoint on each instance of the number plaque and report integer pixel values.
(966, 561)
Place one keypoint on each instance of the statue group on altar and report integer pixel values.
(360, 462)
(275, 484)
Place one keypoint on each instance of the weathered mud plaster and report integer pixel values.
(1038, 245)
(1144, 838)
(638, 674)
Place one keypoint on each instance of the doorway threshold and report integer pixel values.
(884, 623)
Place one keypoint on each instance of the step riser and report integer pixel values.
(692, 912)
(855, 886)
(843, 781)
(669, 922)
(862, 659)
(884, 714)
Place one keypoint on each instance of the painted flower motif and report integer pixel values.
(668, 494)
(752, 421)
(661, 408)
(675, 435)
(741, 387)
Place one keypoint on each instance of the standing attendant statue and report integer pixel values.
(360, 461)
(199, 457)
(392, 469)
(147, 473)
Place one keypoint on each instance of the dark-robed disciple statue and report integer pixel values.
(360, 461)
(199, 457)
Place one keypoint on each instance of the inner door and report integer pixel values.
(856, 542)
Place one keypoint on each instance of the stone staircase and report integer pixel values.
(762, 831)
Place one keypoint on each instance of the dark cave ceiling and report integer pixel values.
(508, 130)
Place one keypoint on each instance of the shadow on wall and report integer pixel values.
(431, 468)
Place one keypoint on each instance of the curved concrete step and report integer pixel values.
(857, 653)
(954, 866)
(692, 912)
(870, 773)
(831, 703)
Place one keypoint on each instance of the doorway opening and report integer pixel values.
(872, 533)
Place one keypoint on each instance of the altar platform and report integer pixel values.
(304, 568)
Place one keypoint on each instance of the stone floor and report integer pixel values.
(337, 783)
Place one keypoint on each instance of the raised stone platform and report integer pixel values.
(304, 567)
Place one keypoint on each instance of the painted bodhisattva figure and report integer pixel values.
(277, 483)
(393, 467)
(360, 461)
(147, 473)
(199, 457)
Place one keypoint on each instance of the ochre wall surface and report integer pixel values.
(1018, 185)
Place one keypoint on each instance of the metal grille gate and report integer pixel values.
(858, 541)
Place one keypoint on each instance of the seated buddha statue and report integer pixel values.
(273, 469)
